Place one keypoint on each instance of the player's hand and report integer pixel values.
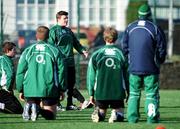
(11, 92)
(85, 53)
(62, 96)
(91, 100)
(21, 97)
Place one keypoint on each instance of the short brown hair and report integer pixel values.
(60, 13)
(42, 32)
(110, 35)
(8, 46)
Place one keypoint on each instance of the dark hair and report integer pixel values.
(8, 46)
(110, 35)
(42, 32)
(60, 13)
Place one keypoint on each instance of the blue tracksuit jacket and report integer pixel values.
(144, 44)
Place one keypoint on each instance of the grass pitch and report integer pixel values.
(169, 109)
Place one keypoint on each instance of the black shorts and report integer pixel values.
(12, 104)
(45, 101)
(115, 104)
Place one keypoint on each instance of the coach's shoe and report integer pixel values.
(26, 112)
(60, 108)
(155, 119)
(72, 107)
(34, 112)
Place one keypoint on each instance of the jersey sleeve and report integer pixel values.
(125, 43)
(21, 71)
(6, 74)
(126, 74)
(77, 45)
(161, 47)
(62, 73)
(91, 76)
(52, 37)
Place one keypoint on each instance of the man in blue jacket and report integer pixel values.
(145, 46)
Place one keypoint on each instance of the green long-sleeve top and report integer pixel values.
(7, 73)
(106, 71)
(65, 39)
(40, 71)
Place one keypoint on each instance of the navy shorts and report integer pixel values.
(45, 101)
(115, 104)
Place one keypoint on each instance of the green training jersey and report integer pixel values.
(105, 74)
(40, 71)
(7, 73)
(65, 39)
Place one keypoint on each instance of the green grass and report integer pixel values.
(169, 108)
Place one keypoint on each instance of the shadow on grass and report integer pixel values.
(58, 120)
(80, 120)
(163, 120)
(83, 117)
(9, 117)
(170, 107)
(171, 120)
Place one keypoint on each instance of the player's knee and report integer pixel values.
(120, 116)
(48, 115)
(101, 116)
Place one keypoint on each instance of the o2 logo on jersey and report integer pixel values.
(40, 59)
(110, 63)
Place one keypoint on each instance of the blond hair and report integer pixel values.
(110, 35)
(42, 32)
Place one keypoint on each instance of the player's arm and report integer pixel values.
(8, 72)
(61, 73)
(21, 70)
(52, 37)
(92, 100)
(77, 45)
(21, 96)
(126, 77)
(124, 43)
(91, 76)
(161, 47)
